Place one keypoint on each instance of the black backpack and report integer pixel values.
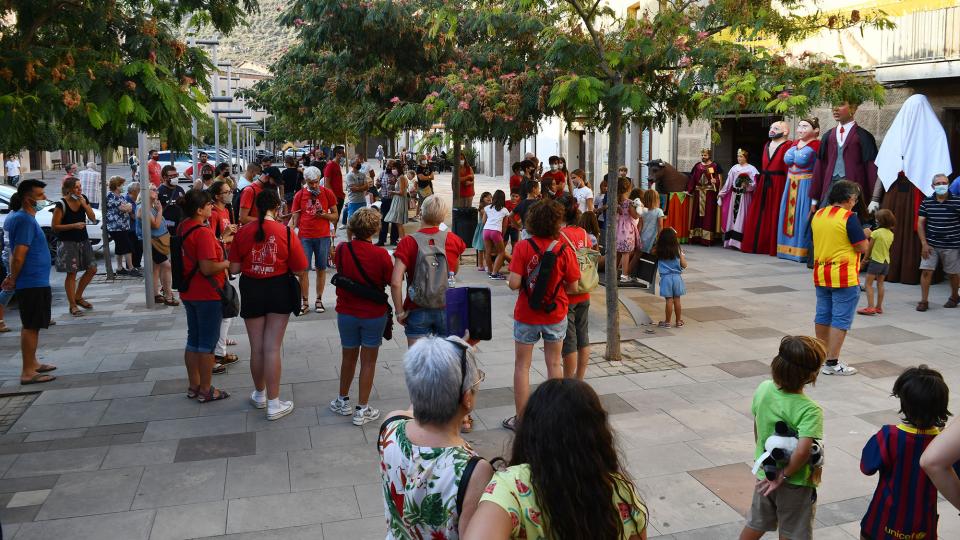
(235, 204)
(535, 285)
(180, 281)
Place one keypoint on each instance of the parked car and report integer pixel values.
(45, 219)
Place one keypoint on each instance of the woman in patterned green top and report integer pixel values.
(429, 491)
(563, 466)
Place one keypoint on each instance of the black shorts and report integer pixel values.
(158, 258)
(121, 242)
(261, 296)
(35, 307)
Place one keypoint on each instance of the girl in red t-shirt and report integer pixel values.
(265, 252)
(203, 270)
(225, 230)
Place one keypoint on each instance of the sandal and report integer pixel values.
(83, 303)
(158, 299)
(467, 425)
(171, 302)
(923, 306)
(219, 369)
(679, 323)
(38, 378)
(952, 302)
(304, 308)
(44, 368)
(318, 306)
(663, 324)
(510, 423)
(3, 327)
(214, 394)
(192, 392)
(76, 312)
(230, 342)
(227, 359)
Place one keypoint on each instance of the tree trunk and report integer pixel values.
(107, 262)
(611, 271)
(458, 201)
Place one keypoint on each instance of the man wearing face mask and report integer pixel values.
(938, 227)
(466, 181)
(555, 176)
(29, 275)
(334, 176)
(847, 151)
(154, 168)
(760, 226)
(314, 209)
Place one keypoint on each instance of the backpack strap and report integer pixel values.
(196, 266)
(567, 238)
(465, 481)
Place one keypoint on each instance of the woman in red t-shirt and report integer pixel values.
(361, 320)
(224, 229)
(204, 269)
(264, 252)
(543, 223)
(466, 181)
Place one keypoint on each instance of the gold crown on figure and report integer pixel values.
(706, 151)
(741, 152)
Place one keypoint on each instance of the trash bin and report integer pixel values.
(465, 223)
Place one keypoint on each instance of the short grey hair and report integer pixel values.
(91, 164)
(842, 190)
(433, 374)
(133, 186)
(940, 175)
(434, 210)
(312, 173)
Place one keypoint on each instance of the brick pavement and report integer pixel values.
(113, 450)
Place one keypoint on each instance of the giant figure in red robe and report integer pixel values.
(763, 216)
(706, 179)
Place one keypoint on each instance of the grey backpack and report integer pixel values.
(429, 287)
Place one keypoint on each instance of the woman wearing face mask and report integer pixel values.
(555, 177)
(224, 230)
(398, 213)
(466, 182)
(314, 210)
(424, 181)
(387, 184)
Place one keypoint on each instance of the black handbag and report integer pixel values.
(293, 284)
(229, 298)
(369, 292)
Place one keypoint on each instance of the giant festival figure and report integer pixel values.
(734, 199)
(793, 234)
(760, 228)
(705, 181)
(674, 199)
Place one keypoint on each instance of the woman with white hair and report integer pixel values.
(314, 209)
(422, 455)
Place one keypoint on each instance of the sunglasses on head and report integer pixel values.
(463, 365)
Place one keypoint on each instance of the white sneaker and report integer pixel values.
(365, 415)
(341, 406)
(260, 404)
(285, 408)
(839, 369)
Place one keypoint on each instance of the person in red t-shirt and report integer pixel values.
(516, 178)
(224, 229)
(466, 180)
(314, 209)
(576, 344)
(203, 272)
(154, 168)
(263, 252)
(360, 320)
(556, 175)
(269, 179)
(333, 177)
(543, 223)
(420, 322)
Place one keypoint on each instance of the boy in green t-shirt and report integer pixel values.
(790, 499)
(878, 260)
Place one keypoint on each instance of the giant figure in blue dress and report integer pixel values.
(794, 240)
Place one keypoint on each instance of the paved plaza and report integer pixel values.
(113, 450)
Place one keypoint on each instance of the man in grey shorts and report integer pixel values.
(938, 227)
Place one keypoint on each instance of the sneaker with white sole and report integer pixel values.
(342, 406)
(285, 408)
(839, 369)
(260, 404)
(364, 415)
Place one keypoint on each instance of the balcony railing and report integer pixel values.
(923, 36)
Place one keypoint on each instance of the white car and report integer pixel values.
(45, 219)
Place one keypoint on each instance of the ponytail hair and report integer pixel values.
(192, 201)
(16, 203)
(266, 201)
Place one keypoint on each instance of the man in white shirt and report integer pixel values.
(13, 170)
(582, 193)
(90, 184)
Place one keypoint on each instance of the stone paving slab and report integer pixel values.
(113, 449)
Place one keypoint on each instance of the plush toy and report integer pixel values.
(778, 449)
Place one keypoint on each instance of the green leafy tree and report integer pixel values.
(687, 60)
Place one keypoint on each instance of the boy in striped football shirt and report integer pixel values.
(904, 505)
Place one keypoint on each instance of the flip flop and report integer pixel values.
(663, 324)
(44, 368)
(38, 379)
(679, 324)
(83, 303)
(510, 423)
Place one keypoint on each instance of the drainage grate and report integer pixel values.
(12, 406)
(637, 358)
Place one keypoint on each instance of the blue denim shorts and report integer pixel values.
(317, 251)
(355, 331)
(671, 286)
(836, 306)
(528, 334)
(203, 325)
(352, 207)
(424, 322)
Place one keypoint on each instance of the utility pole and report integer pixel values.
(145, 217)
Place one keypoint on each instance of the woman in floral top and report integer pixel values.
(118, 227)
(563, 464)
(432, 479)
